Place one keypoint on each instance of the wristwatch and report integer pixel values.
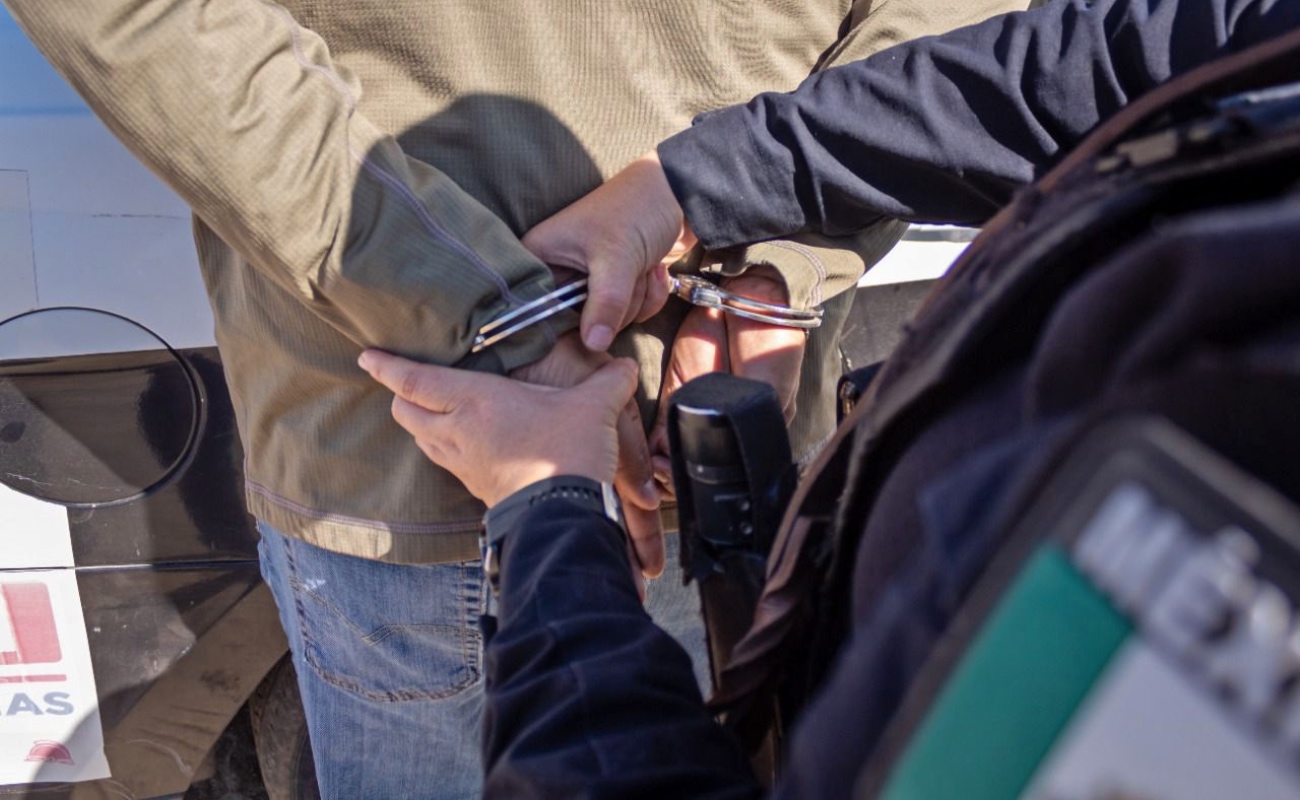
(501, 518)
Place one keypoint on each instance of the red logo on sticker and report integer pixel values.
(49, 752)
(27, 631)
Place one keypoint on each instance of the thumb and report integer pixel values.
(612, 385)
(609, 292)
(429, 386)
(550, 241)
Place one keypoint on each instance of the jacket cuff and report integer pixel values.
(732, 194)
(815, 267)
(804, 270)
(525, 346)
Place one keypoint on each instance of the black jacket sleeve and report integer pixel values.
(945, 128)
(586, 697)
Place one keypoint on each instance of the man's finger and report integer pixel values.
(634, 301)
(698, 349)
(612, 387)
(614, 384)
(763, 352)
(428, 386)
(658, 286)
(663, 467)
(647, 535)
(638, 577)
(657, 441)
(769, 353)
(609, 292)
(635, 479)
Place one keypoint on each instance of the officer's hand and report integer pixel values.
(569, 363)
(499, 435)
(622, 235)
(710, 341)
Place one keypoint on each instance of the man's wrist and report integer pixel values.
(502, 519)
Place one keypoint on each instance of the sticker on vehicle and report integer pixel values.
(49, 713)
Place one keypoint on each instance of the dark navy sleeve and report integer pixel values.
(945, 128)
(586, 697)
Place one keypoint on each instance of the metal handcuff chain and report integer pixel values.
(693, 289)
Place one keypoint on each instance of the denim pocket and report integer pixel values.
(386, 632)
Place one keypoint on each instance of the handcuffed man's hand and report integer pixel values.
(623, 235)
(711, 341)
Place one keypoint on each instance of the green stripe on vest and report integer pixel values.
(1028, 669)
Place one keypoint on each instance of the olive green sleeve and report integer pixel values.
(243, 112)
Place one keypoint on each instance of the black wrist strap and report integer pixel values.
(503, 517)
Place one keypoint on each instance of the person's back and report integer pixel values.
(525, 111)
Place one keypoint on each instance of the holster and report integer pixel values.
(733, 474)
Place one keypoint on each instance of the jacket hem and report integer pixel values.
(392, 542)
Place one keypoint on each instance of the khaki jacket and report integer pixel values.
(360, 172)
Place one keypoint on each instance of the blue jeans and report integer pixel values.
(389, 660)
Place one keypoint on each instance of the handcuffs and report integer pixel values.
(692, 288)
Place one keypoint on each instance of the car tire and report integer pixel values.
(280, 735)
(230, 771)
